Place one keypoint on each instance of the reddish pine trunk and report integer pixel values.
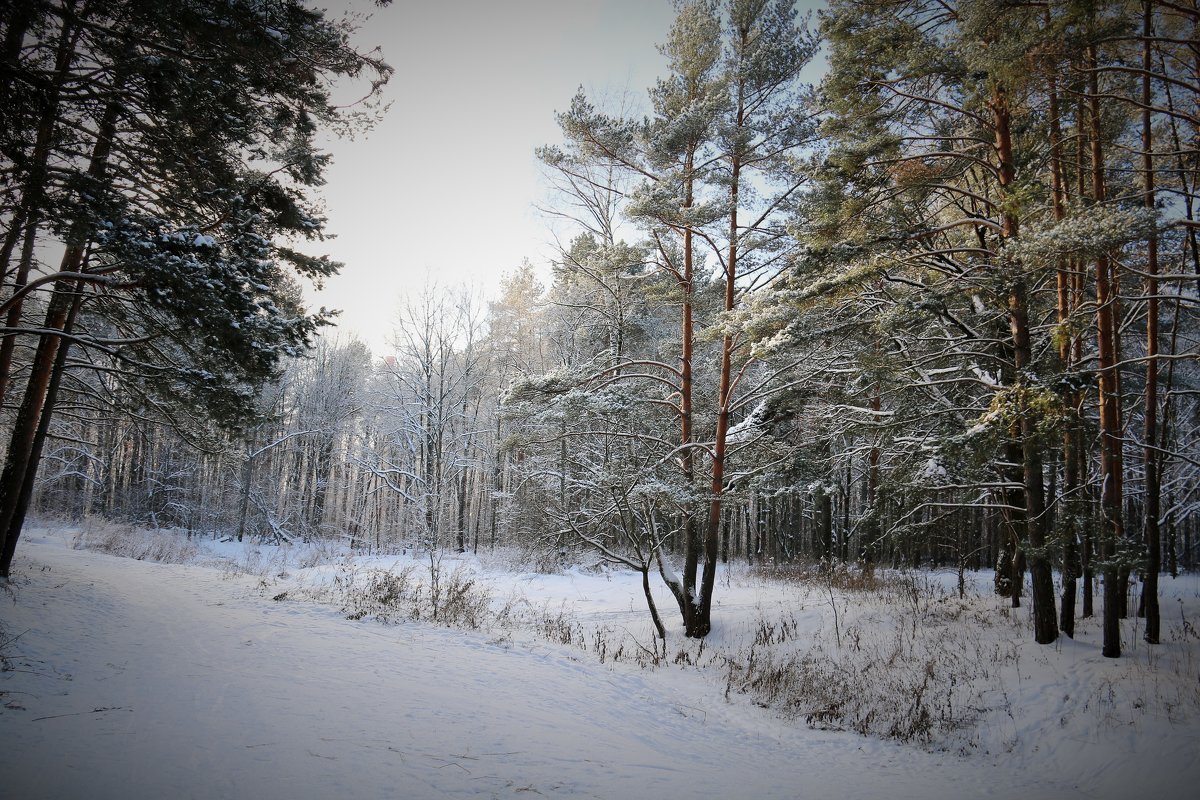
(17, 520)
(21, 451)
(703, 621)
(18, 461)
(1111, 488)
(28, 216)
(1044, 616)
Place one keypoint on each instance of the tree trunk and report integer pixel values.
(1045, 623)
(658, 624)
(17, 520)
(825, 515)
(28, 217)
(1066, 519)
(703, 624)
(1111, 488)
(872, 525)
(691, 533)
(1150, 412)
(33, 404)
(247, 477)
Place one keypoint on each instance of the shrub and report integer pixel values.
(458, 599)
(164, 547)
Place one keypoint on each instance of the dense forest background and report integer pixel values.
(938, 310)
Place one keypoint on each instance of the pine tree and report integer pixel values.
(190, 153)
(729, 108)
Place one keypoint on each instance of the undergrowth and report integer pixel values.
(919, 684)
(454, 598)
(125, 540)
(877, 652)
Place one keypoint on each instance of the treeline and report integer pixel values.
(937, 310)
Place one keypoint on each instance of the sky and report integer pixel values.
(444, 188)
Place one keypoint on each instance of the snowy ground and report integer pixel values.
(130, 679)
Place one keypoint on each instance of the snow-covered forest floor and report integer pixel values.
(244, 670)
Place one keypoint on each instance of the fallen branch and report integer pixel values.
(79, 713)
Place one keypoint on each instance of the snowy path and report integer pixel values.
(155, 681)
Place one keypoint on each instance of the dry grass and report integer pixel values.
(921, 683)
(125, 540)
(454, 599)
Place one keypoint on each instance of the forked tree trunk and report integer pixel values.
(33, 405)
(25, 427)
(17, 520)
(28, 217)
(703, 622)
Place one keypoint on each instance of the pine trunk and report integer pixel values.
(19, 458)
(702, 624)
(28, 217)
(21, 507)
(1111, 489)
(1151, 458)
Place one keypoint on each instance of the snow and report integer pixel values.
(129, 679)
(933, 470)
(985, 377)
(864, 410)
(744, 429)
(670, 574)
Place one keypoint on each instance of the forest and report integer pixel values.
(935, 311)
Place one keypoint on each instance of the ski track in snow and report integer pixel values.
(140, 680)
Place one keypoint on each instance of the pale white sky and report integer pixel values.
(445, 186)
